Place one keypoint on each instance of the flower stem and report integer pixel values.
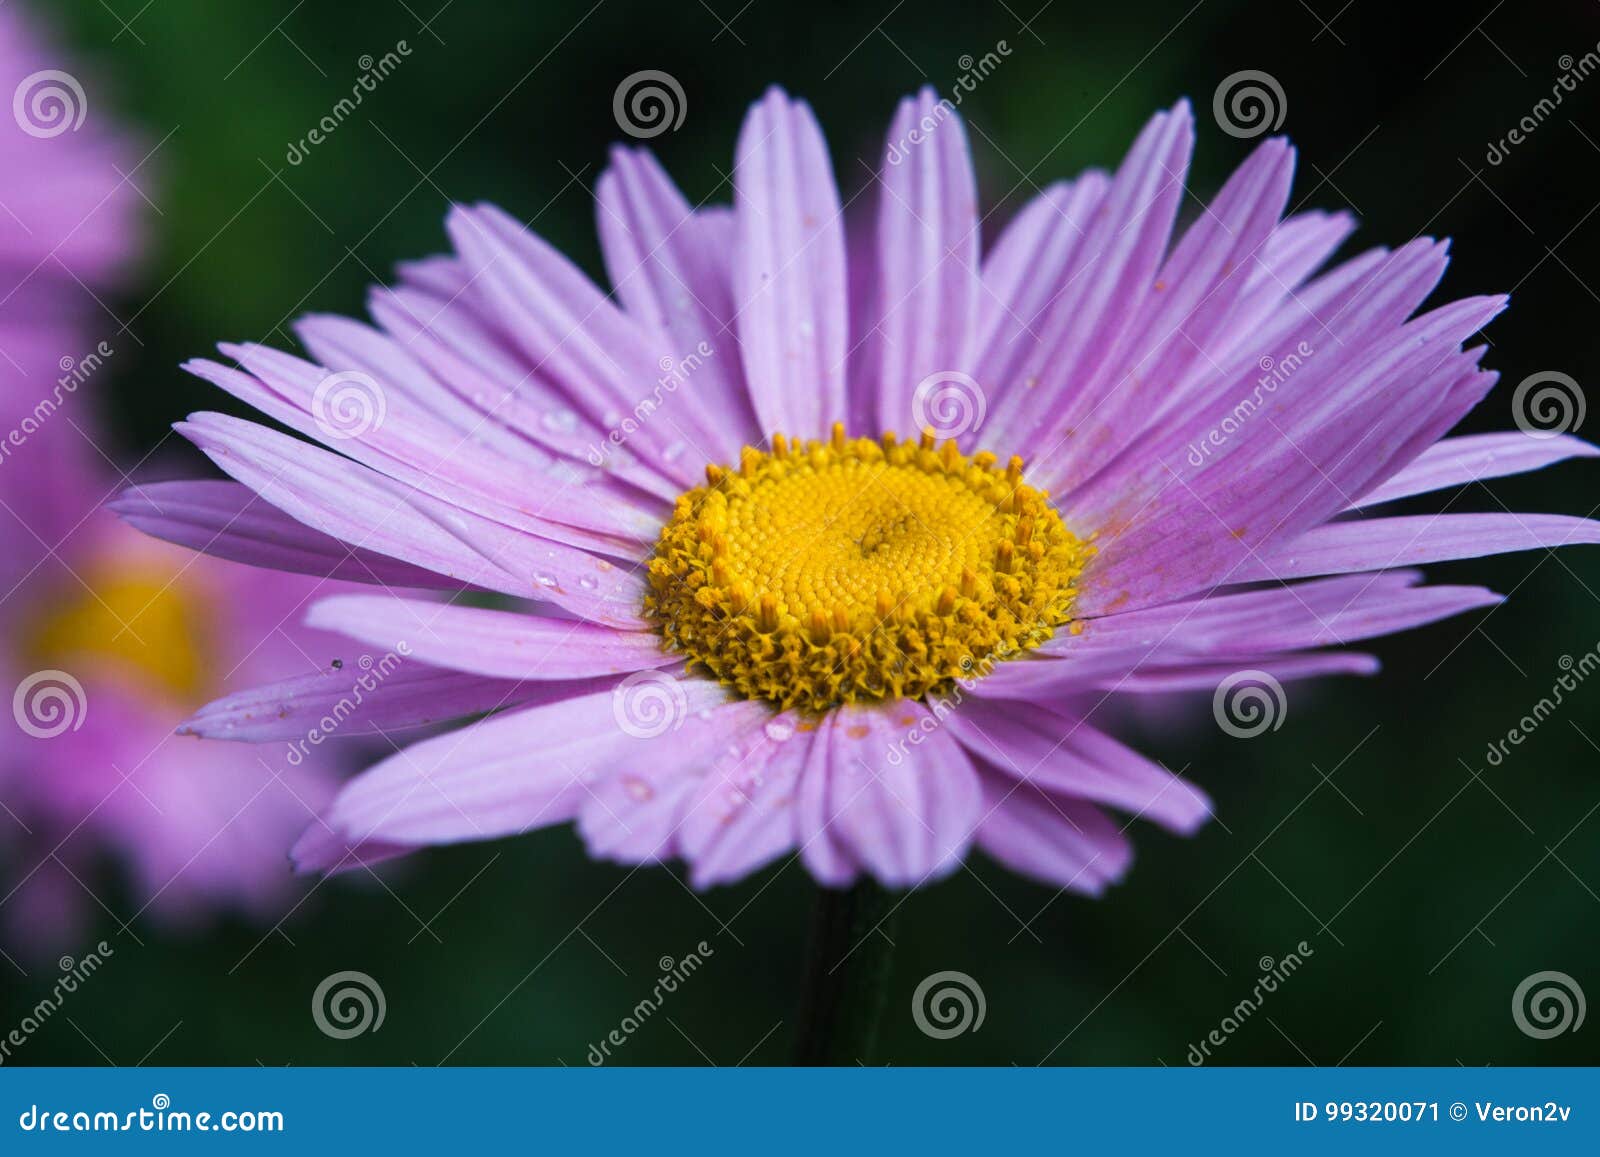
(847, 975)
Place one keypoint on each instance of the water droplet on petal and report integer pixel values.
(778, 729)
(559, 421)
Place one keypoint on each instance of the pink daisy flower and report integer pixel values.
(831, 546)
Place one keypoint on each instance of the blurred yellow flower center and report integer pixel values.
(825, 573)
(141, 621)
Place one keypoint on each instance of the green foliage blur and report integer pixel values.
(1426, 882)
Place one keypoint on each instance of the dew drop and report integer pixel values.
(778, 730)
(559, 421)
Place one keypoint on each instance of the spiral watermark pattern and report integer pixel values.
(348, 404)
(947, 1004)
(47, 703)
(348, 1004)
(49, 103)
(649, 103)
(1548, 403)
(950, 403)
(647, 704)
(1248, 703)
(1249, 103)
(1548, 1004)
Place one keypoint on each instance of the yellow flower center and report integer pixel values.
(142, 620)
(851, 570)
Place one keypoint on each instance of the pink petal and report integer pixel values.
(339, 498)
(1380, 543)
(354, 700)
(1181, 321)
(1235, 626)
(230, 521)
(525, 768)
(1055, 839)
(1474, 458)
(503, 644)
(742, 813)
(927, 259)
(573, 335)
(1328, 441)
(1032, 263)
(672, 275)
(463, 443)
(901, 799)
(401, 442)
(1114, 267)
(1067, 756)
(789, 272)
(635, 814)
(359, 506)
(1162, 681)
(457, 338)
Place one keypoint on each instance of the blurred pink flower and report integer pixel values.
(109, 639)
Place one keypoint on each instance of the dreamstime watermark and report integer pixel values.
(673, 974)
(1248, 703)
(74, 373)
(1274, 373)
(348, 404)
(1548, 1004)
(1575, 672)
(1273, 974)
(48, 703)
(649, 703)
(950, 403)
(73, 974)
(974, 71)
(675, 372)
(373, 73)
(1573, 72)
(48, 103)
(373, 673)
(649, 103)
(947, 1004)
(347, 1004)
(1548, 403)
(160, 1117)
(1249, 103)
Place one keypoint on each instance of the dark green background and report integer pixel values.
(530, 952)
